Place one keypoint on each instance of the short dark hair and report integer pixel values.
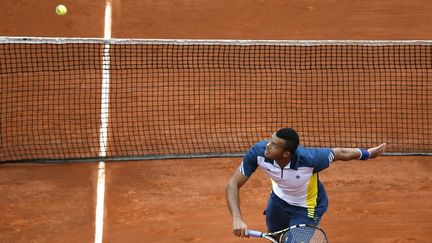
(291, 138)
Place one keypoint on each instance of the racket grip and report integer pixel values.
(254, 233)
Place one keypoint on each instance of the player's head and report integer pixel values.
(282, 143)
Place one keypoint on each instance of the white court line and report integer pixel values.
(108, 19)
(103, 140)
(100, 203)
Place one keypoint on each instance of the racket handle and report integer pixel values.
(254, 233)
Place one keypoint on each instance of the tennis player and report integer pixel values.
(297, 195)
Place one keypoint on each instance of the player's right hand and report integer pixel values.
(239, 227)
(377, 151)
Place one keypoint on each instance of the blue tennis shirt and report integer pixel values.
(297, 183)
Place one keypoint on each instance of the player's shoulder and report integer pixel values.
(257, 150)
(261, 144)
(303, 150)
(259, 147)
(308, 155)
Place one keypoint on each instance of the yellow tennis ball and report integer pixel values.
(61, 10)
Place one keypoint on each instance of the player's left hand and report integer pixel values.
(377, 151)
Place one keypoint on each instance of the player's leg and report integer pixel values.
(277, 218)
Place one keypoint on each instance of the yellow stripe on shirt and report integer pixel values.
(312, 195)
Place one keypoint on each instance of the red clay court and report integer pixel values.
(183, 200)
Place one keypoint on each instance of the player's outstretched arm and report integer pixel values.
(346, 154)
(233, 201)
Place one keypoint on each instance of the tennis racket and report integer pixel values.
(301, 233)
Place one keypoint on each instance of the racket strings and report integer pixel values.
(303, 235)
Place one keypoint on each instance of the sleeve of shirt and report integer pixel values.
(249, 163)
(323, 158)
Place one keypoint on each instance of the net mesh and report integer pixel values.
(170, 98)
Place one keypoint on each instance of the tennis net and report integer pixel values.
(128, 98)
